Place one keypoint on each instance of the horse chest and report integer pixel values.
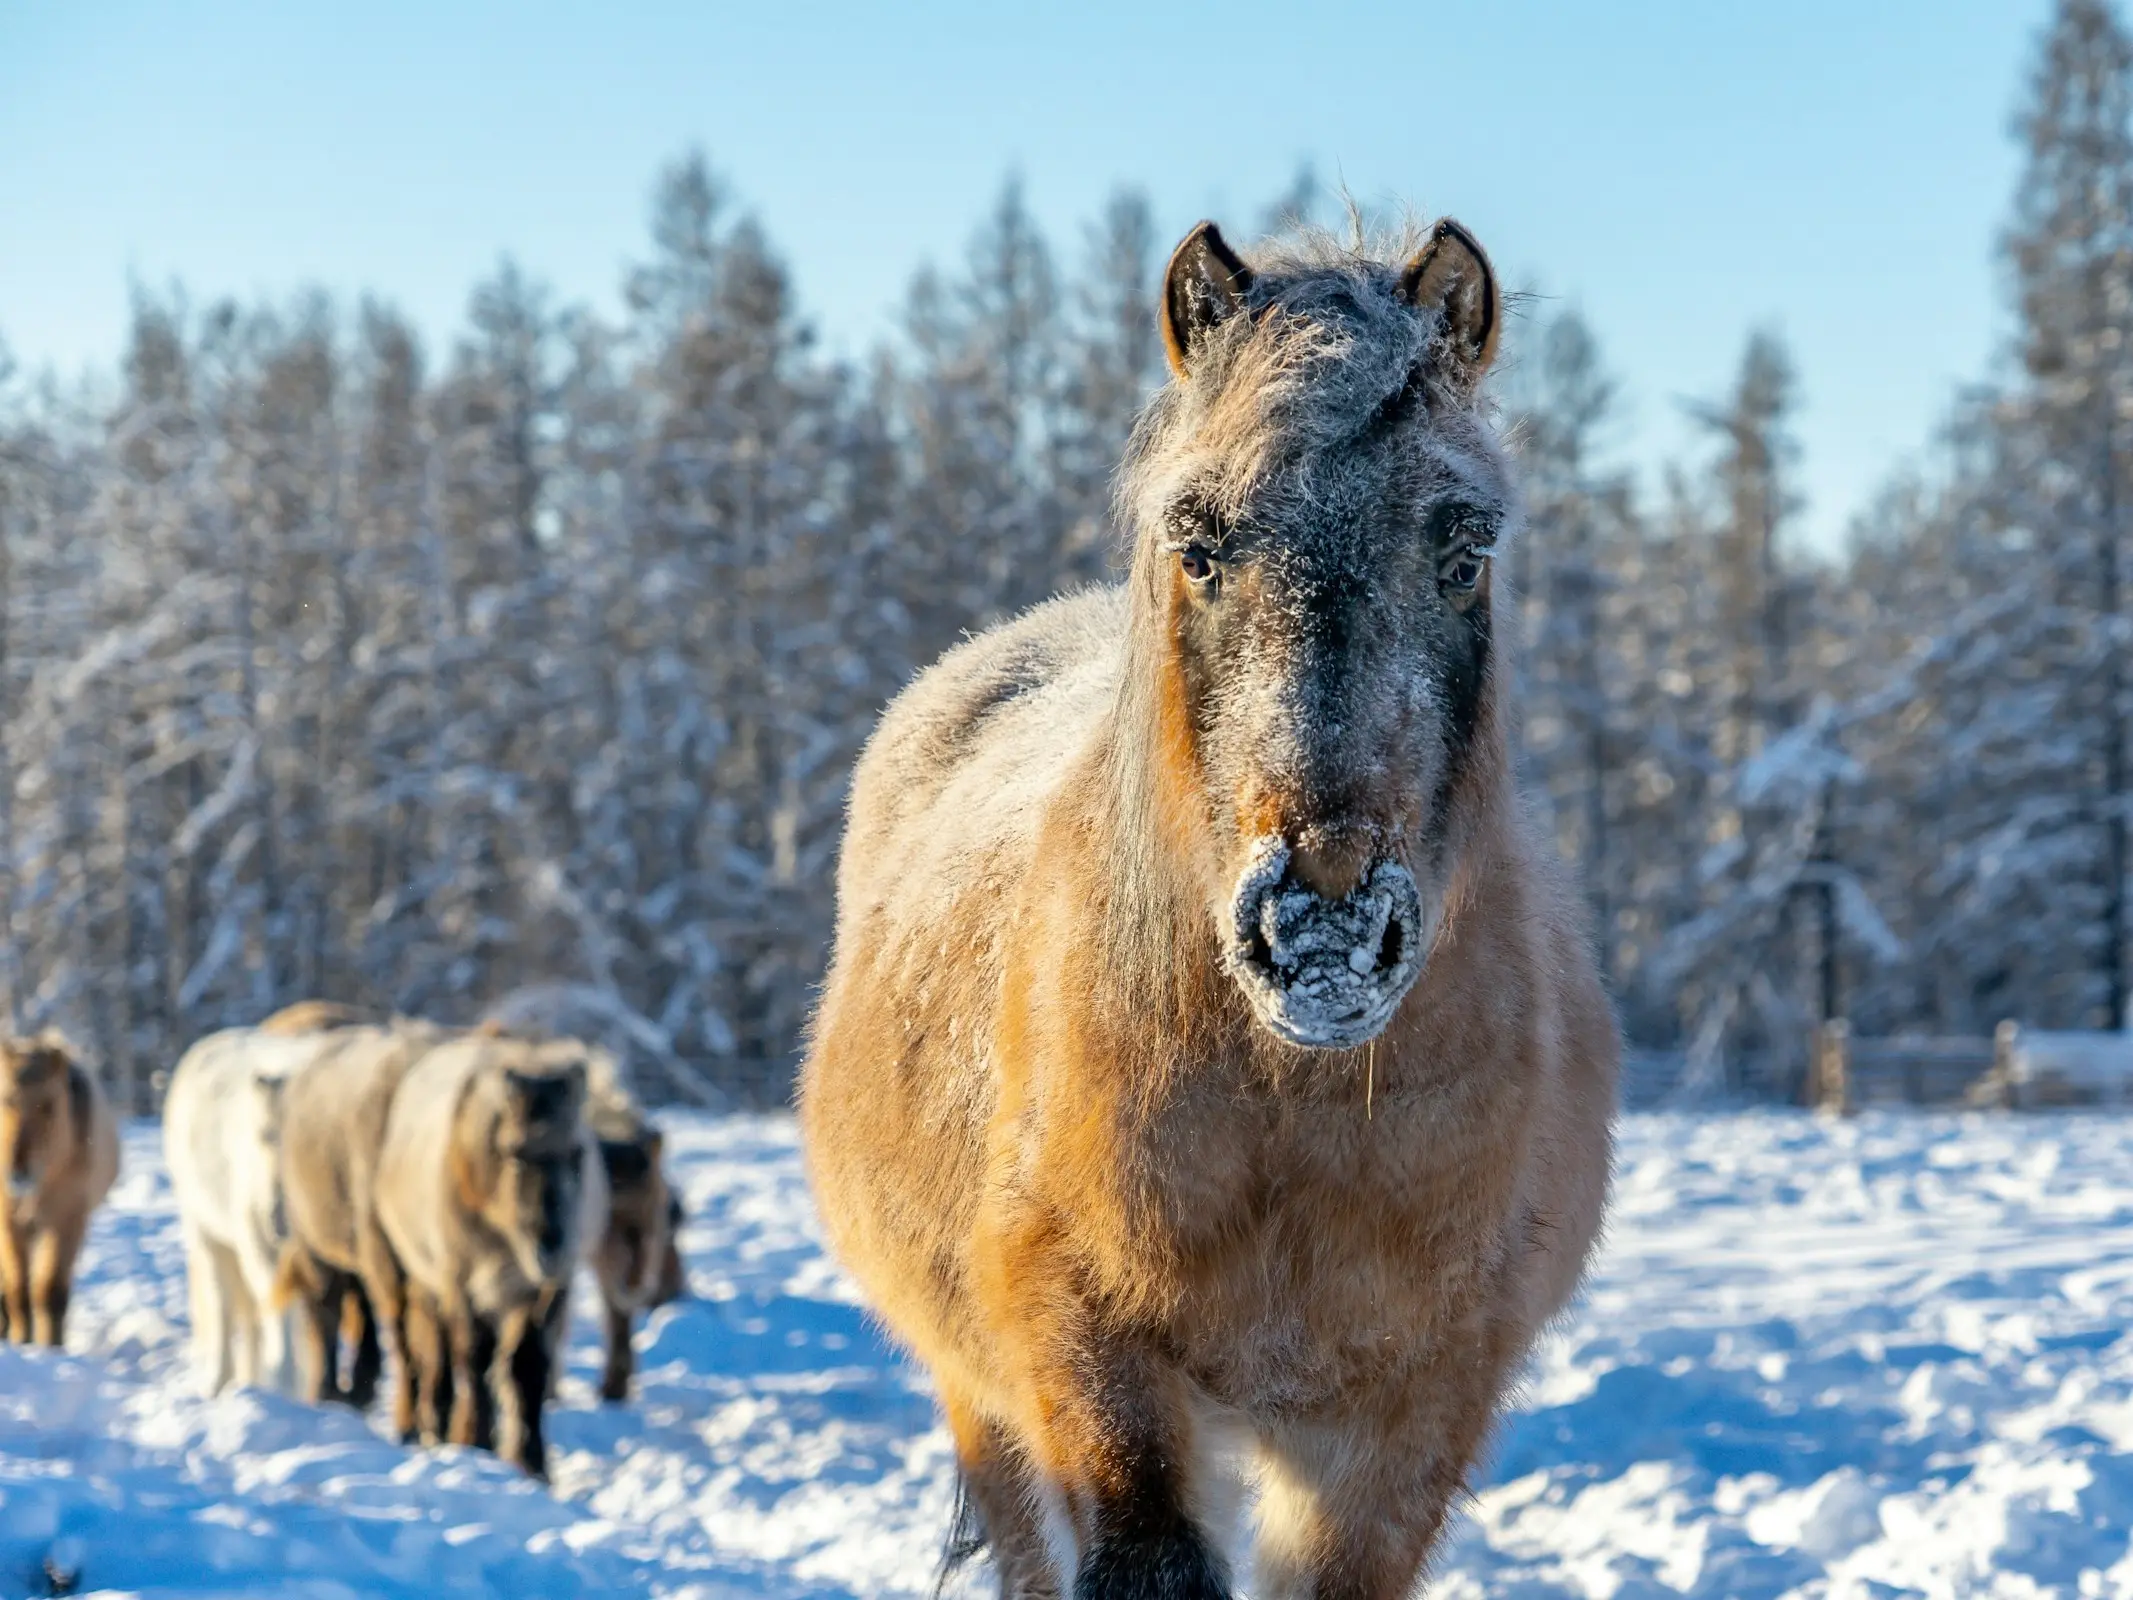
(1328, 1266)
(495, 1282)
(23, 1208)
(494, 1286)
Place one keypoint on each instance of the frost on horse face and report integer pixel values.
(1319, 504)
(1325, 974)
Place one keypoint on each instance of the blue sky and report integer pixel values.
(1681, 172)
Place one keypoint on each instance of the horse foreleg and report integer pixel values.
(1111, 1443)
(1102, 1418)
(207, 1288)
(366, 1358)
(299, 1280)
(621, 1359)
(522, 1359)
(471, 1341)
(427, 1374)
(52, 1279)
(276, 1361)
(385, 1288)
(1341, 1518)
(14, 1279)
(996, 1481)
(1350, 1505)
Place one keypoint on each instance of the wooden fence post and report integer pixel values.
(1832, 1079)
(2005, 1038)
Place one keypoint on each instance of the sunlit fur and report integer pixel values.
(61, 1151)
(333, 1120)
(1075, 1174)
(221, 1133)
(313, 1016)
(480, 1196)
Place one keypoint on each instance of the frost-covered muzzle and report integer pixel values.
(1324, 974)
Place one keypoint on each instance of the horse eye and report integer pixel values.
(1198, 565)
(1462, 572)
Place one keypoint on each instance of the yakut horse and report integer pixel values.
(1212, 1075)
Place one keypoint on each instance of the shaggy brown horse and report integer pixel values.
(634, 1250)
(1212, 1084)
(479, 1197)
(333, 1120)
(60, 1147)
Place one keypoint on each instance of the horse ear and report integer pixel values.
(1204, 283)
(39, 1059)
(1451, 274)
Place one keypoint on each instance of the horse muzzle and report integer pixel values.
(1319, 973)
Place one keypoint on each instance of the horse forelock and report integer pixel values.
(1328, 349)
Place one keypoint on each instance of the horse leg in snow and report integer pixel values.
(1111, 1488)
(210, 1313)
(478, 1372)
(621, 1359)
(426, 1387)
(366, 1358)
(14, 1280)
(469, 1346)
(207, 1293)
(244, 1319)
(52, 1279)
(299, 1280)
(277, 1351)
(1351, 1506)
(390, 1297)
(520, 1375)
(274, 1365)
(996, 1482)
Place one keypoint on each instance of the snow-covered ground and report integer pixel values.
(1855, 1360)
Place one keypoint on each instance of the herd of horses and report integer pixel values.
(349, 1188)
(1212, 1083)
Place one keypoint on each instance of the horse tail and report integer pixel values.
(966, 1537)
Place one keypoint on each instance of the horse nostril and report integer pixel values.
(1392, 946)
(1332, 869)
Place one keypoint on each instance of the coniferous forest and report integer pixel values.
(523, 672)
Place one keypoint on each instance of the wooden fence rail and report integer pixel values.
(2017, 1067)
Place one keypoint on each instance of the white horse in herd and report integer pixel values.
(221, 1127)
